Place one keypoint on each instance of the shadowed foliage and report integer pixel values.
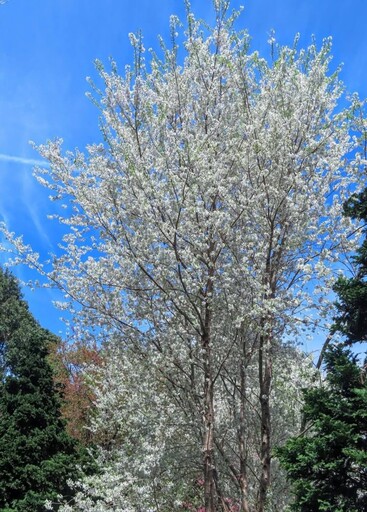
(36, 454)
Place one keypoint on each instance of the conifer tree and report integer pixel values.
(352, 292)
(327, 464)
(36, 454)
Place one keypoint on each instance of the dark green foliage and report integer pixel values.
(352, 306)
(36, 454)
(352, 293)
(327, 465)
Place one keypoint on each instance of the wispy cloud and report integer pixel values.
(21, 160)
(32, 199)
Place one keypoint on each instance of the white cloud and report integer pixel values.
(32, 199)
(21, 160)
(23, 200)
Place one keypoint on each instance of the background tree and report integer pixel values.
(73, 367)
(36, 454)
(195, 230)
(327, 464)
(351, 320)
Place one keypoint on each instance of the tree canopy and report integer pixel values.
(194, 236)
(36, 455)
(351, 319)
(327, 464)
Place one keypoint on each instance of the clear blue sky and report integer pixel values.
(47, 49)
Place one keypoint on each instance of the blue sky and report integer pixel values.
(47, 49)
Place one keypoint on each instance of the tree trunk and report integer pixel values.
(209, 467)
(208, 418)
(243, 480)
(265, 375)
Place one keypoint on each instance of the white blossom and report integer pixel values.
(194, 236)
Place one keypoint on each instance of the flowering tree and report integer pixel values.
(147, 442)
(195, 231)
(146, 446)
